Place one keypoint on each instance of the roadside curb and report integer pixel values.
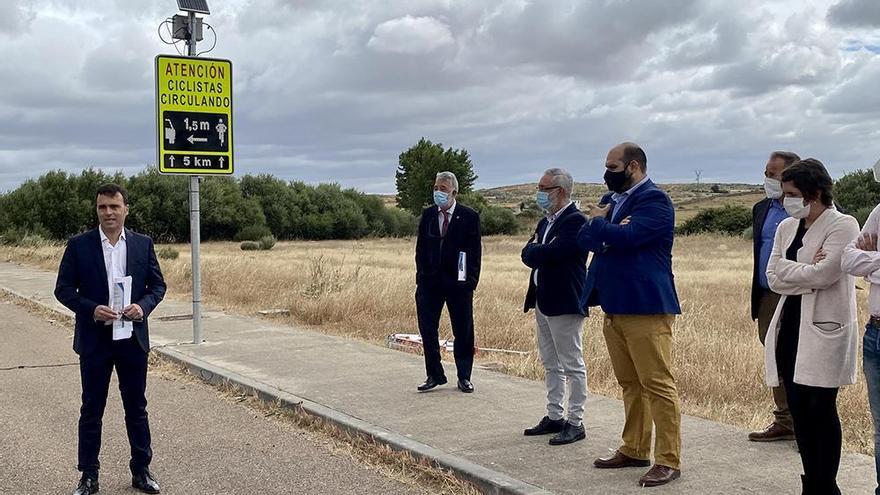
(488, 481)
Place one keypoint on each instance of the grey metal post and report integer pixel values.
(194, 219)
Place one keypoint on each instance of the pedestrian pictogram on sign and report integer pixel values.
(194, 115)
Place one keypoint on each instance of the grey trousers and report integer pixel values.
(560, 345)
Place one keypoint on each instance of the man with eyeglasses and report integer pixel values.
(767, 214)
(556, 286)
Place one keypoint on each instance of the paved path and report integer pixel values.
(202, 443)
(375, 387)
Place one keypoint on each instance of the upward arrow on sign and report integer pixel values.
(192, 139)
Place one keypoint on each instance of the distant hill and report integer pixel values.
(689, 199)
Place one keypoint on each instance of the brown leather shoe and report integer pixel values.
(773, 433)
(619, 460)
(659, 475)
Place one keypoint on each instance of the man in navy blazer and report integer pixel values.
(767, 214)
(448, 257)
(630, 276)
(91, 265)
(556, 286)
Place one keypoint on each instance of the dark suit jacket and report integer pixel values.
(437, 257)
(561, 265)
(631, 269)
(82, 286)
(759, 214)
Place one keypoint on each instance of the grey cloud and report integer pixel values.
(15, 16)
(522, 86)
(855, 13)
(857, 95)
(602, 40)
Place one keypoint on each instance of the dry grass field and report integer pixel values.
(364, 290)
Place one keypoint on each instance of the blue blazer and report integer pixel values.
(82, 286)
(631, 270)
(561, 265)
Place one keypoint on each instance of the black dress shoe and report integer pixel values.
(545, 427)
(87, 486)
(430, 383)
(466, 386)
(145, 482)
(569, 434)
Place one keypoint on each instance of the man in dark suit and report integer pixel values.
(448, 252)
(630, 233)
(110, 334)
(556, 286)
(766, 216)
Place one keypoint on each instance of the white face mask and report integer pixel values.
(796, 208)
(773, 188)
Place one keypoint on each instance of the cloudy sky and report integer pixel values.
(334, 90)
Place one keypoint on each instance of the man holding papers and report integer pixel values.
(110, 278)
(448, 253)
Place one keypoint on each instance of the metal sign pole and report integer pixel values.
(194, 219)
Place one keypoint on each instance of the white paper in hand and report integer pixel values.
(462, 266)
(121, 298)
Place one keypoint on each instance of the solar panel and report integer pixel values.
(197, 6)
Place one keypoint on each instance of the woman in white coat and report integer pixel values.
(813, 336)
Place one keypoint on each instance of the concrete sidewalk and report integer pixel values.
(372, 389)
(203, 443)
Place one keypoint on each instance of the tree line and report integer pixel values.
(58, 205)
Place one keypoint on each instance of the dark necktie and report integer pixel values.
(445, 226)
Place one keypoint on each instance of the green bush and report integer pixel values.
(59, 204)
(856, 191)
(159, 206)
(728, 220)
(267, 242)
(250, 246)
(167, 253)
(748, 233)
(252, 233)
(24, 237)
(862, 214)
(496, 220)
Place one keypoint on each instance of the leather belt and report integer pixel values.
(874, 321)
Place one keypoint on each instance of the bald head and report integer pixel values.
(629, 159)
(631, 152)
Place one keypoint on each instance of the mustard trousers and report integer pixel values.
(640, 347)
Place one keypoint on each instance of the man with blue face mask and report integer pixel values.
(448, 251)
(766, 217)
(556, 287)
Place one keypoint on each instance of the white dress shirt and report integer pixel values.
(115, 261)
(450, 211)
(866, 263)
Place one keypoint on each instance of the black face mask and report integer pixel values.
(616, 181)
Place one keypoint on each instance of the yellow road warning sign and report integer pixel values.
(194, 115)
